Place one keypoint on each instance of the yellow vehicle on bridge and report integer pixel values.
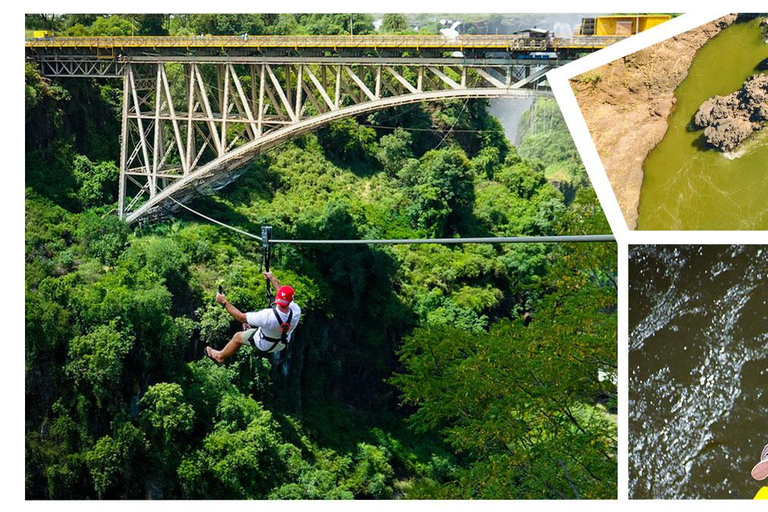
(620, 24)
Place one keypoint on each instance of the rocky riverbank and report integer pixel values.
(728, 120)
(626, 104)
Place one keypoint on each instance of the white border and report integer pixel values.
(12, 204)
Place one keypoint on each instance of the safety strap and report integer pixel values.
(266, 250)
(284, 328)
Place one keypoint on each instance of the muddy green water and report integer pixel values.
(686, 185)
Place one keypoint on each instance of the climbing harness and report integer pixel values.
(285, 326)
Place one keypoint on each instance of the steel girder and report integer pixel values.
(66, 67)
(190, 126)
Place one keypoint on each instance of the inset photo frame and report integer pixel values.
(672, 138)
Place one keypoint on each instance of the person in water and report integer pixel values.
(269, 330)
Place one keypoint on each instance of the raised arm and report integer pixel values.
(272, 279)
(232, 310)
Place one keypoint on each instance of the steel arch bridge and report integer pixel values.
(176, 147)
(192, 119)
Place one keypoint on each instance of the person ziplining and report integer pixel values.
(269, 330)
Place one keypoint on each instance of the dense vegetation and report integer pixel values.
(417, 371)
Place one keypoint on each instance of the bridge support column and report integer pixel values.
(123, 151)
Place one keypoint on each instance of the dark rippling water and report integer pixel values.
(698, 370)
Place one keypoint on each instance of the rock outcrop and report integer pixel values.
(728, 120)
(626, 104)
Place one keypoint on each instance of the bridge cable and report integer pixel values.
(545, 239)
(453, 125)
(435, 129)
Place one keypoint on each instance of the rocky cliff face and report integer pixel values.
(728, 120)
(626, 104)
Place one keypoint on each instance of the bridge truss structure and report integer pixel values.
(190, 128)
(192, 120)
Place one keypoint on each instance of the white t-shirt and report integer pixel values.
(268, 325)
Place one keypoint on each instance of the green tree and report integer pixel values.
(41, 21)
(96, 361)
(334, 24)
(162, 257)
(96, 183)
(165, 413)
(372, 475)
(394, 150)
(442, 191)
(525, 404)
(545, 138)
(104, 238)
(520, 401)
(82, 19)
(226, 464)
(394, 23)
(523, 178)
(151, 24)
(224, 24)
(114, 25)
(349, 140)
(115, 463)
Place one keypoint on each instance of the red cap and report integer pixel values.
(284, 296)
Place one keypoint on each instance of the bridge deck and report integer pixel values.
(464, 42)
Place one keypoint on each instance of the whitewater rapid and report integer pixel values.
(698, 367)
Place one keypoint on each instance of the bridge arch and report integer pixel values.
(223, 170)
(189, 127)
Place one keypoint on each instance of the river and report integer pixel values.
(687, 185)
(698, 370)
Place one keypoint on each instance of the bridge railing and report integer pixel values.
(331, 42)
(585, 41)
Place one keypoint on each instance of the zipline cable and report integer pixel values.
(216, 221)
(546, 239)
(481, 240)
